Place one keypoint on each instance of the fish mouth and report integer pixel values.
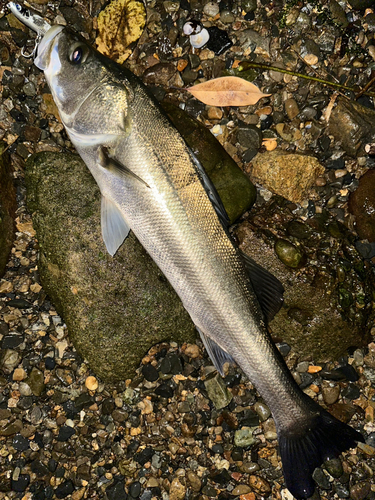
(44, 48)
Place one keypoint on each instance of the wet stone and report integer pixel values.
(164, 391)
(36, 381)
(65, 433)
(135, 489)
(351, 392)
(209, 491)
(150, 373)
(250, 137)
(289, 254)
(241, 489)
(64, 489)
(284, 348)
(11, 341)
(21, 483)
(334, 467)
(244, 437)
(12, 428)
(116, 491)
(9, 360)
(259, 485)
(20, 443)
(331, 394)
(341, 490)
(218, 392)
(360, 490)
(219, 40)
(108, 406)
(321, 479)
(262, 411)
(195, 482)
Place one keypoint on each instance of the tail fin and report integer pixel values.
(305, 449)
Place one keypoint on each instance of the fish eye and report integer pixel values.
(78, 53)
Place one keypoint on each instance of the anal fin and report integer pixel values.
(218, 356)
(114, 227)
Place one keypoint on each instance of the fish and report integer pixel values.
(152, 184)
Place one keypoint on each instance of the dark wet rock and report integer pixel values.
(21, 483)
(159, 74)
(219, 40)
(235, 189)
(65, 433)
(150, 373)
(144, 456)
(8, 206)
(135, 489)
(218, 392)
(341, 490)
(352, 125)
(11, 341)
(351, 392)
(362, 206)
(116, 491)
(83, 279)
(334, 467)
(64, 489)
(249, 137)
(20, 443)
(284, 348)
(288, 175)
(321, 479)
(367, 250)
(164, 391)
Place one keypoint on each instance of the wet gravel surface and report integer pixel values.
(178, 430)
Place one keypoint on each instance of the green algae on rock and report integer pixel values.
(328, 304)
(115, 308)
(235, 189)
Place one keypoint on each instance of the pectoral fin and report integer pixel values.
(114, 227)
(114, 166)
(218, 356)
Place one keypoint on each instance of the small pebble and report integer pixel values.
(91, 383)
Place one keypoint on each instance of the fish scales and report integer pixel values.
(151, 183)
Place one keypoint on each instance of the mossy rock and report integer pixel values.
(8, 206)
(115, 308)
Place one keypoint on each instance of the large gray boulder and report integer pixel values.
(115, 308)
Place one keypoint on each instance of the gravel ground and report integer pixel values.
(177, 430)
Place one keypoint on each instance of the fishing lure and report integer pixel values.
(32, 20)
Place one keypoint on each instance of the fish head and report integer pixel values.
(71, 67)
(91, 92)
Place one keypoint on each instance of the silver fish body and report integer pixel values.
(151, 183)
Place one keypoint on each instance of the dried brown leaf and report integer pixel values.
(227, 91)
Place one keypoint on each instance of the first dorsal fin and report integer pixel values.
(266, 286)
